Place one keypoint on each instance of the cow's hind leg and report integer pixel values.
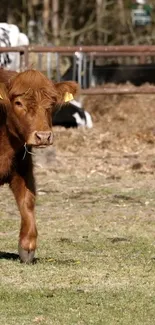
(24, 192)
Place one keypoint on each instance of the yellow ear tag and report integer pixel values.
(1, 97)
(68, 97)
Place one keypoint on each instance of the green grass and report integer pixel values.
(95, 262)
(65, 306)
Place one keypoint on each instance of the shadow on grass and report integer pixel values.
(15, 257)
(9, 256)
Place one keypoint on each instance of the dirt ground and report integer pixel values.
(122, 139)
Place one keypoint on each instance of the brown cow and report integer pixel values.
(26, 101)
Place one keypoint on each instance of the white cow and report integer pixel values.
(10, 35)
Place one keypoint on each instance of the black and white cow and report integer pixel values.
(87, 73)
(137, 74)
(10, 35)
(71, 114)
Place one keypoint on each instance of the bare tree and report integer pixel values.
(89, 22)
(55, 21)
(99, 19)
(46, 17)
(121, 12)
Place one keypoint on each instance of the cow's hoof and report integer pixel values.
(25, 256)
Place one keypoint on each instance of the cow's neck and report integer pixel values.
(6, 153)
(14, 135)
(16, 142)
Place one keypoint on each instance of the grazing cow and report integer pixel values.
(88, 74)
(26, 101)
(71, 115)
(10, 36)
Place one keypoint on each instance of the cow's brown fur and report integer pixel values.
(26, 101)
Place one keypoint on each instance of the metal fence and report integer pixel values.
(141, 52)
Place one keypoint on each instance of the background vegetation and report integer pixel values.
(68, 22)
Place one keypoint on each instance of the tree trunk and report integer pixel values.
(55, 21)
(35, 2)
(46, 14)
(99, 20)
(121, 11)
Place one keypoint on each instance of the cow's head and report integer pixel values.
(32, 97)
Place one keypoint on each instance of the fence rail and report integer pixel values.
(140, 51)
(144, 49)
(119, 91)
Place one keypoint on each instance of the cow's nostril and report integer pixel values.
(38, 136)
(49, 138)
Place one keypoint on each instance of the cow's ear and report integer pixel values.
(6, 76)
(4, 103)
(66, 90)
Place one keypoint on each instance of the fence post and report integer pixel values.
(26, 52)
(22, 60)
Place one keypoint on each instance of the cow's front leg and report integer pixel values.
(23, 189)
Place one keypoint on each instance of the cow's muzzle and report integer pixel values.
(43, 138)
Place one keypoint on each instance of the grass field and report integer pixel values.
(96, 257)
(95, 262)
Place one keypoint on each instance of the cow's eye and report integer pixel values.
(48, 109)
(18, 103)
